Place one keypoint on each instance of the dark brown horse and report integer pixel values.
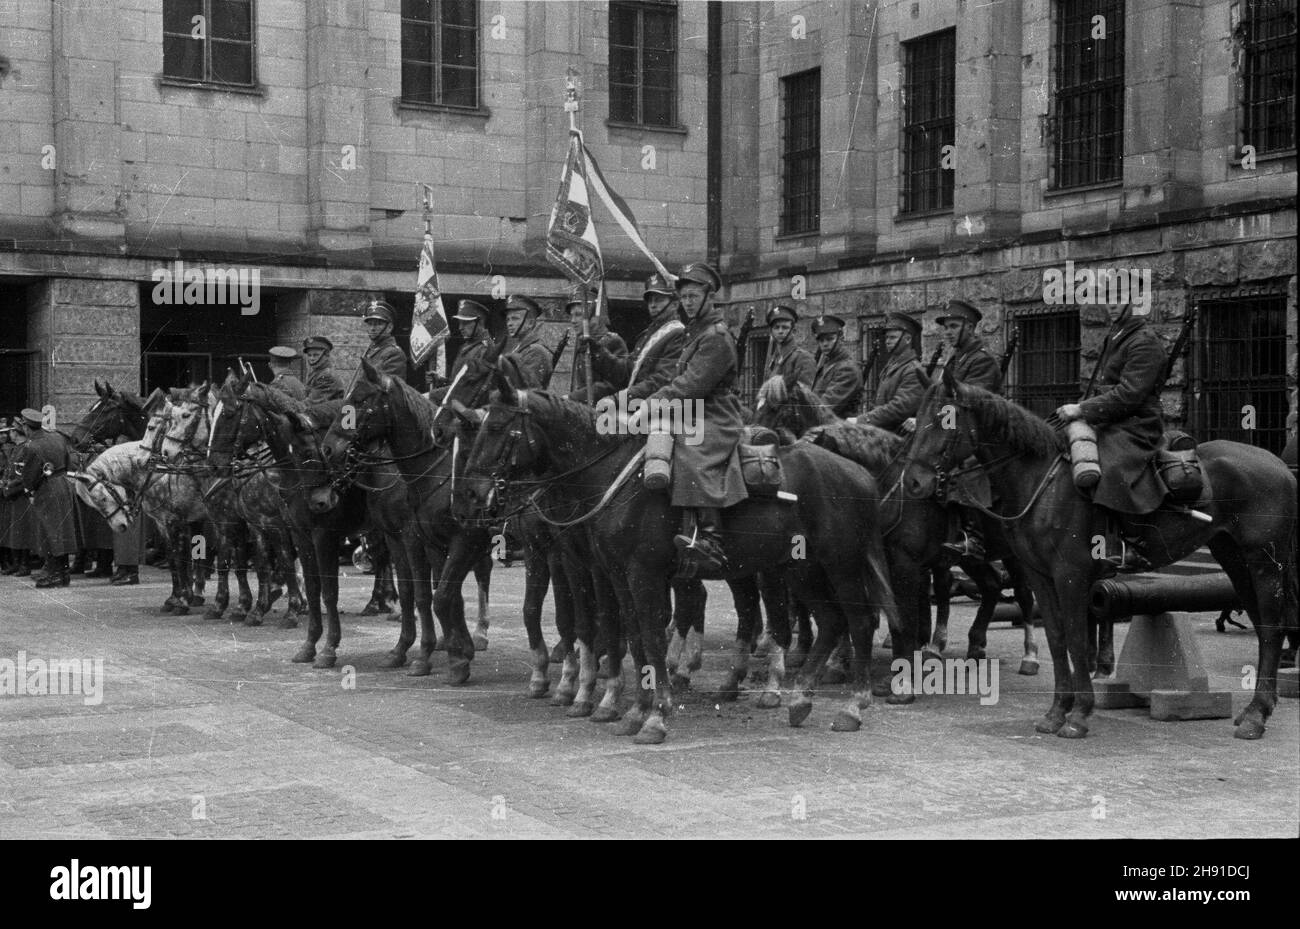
(914, 529)
(827, 539)
(1249, 495)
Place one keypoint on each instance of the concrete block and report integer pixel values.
(1288, 683)
(1190, 704)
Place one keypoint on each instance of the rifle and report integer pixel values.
(870, 362)
(1180, 344)
(557, 355)
(934, 361)
(742, 340)
(1105, 348)
(1011, 351)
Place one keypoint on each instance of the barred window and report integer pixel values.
(871, 347)
(1046, 365)
(751, 375)
(1268, 33)
(1238, 368)
(1087, 122)
(801, 161)
(929, 88)
(643, 63)
(208, 41)
(440, 52)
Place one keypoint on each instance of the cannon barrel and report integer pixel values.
(1152, 594)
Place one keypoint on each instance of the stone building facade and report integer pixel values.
(111, 169)
(1214, 229)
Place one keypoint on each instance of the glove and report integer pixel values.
(909, 425)
(1068, 412)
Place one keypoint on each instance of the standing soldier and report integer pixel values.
(22, 532)
(1128, 417)
(973, 364)
(899, 395)
(602, 340)
(706, 476)
(838, 380)
(653, 359)
(7, 554)
(323, 384)
(43, 462)
(383, 353)
(282, 376)
(476, 340)
(524, 346)
(788, 357)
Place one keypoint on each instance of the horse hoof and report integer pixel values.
(1249, 729)
(324, 661)
(834, 676)
(652, 733)
(1028, 667)
(557, 653)
(253, 619)
(580, 710)
(180, 609)
(287, 622)
(628, 727)
(1048, 724)
(394, 617)
(679, 682)
(1072, 730)
(929, 651)
(798, 713)
(894, 699)
(214, 612)
(196, 601)
(604, 714)
(538, 689)
(305, 654)
(480, 643)
(845, 722)
(167, 607)
(393, 660)
(881, 688)
(370, 609)
(457, 674)
(419, 668)
(768, 700)
(562, 698)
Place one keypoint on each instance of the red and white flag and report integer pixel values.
(571, 243)
(429, 321)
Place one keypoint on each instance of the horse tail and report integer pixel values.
(880, 593)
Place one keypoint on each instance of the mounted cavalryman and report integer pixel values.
(788, 358)
(383, 353)
(972, 364)
(706, 477)
(472, 320)
(323, 384)
(41, 466)
(524, 345)
(838, 380)
(282, 376)
(901, 384)
(1126, 413)
(653, 360)
(602, 341)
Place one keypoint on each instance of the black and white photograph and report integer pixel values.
(487, 419)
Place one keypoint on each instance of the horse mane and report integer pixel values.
(117, 462)
(421, 407)
(568, 413)
(869, 446)
(1008, 423)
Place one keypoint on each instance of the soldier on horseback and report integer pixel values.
(323, 384)
(653, 359)
(600, 339)
(1127, 416)
(283, 378)
(706, 477)
(39, 472)
(971, 363)
(838, 379)
(788, 358)
(901, 386)
(383, 353)
(524, 346)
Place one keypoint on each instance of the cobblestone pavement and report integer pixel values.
(207, 729)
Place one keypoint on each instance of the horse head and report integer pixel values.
(944, 437)
(506, 444)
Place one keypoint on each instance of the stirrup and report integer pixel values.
(968, 547)
(1129, 560)
(696, 555)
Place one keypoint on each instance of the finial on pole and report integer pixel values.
(571, 97)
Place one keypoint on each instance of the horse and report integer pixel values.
(915, 529)
(385, 409)
(832, 522)
(1249, 497)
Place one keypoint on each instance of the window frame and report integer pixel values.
(641, 7)
(1092, 172)
(910, 132)
(1037, 394)
(811, 156)
(871, 338)
(207, 80)
(1249, 50)
(436, 64)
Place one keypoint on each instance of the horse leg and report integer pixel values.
(293, 608)
(990, 587)
(689, 599)
(1249, 581)
(1072, 601)
(406, 580)
(801, 620)
(814, 589)
(776, 605)
(537, 579)
(580, 658)
(326, 549)
(569, 581)
(467, 547)
(636, 715)
(225, 555)
(1046, 594)
(1025, 600)
(653, 687)
(482, 578)
(941, 576)
(607, 632)
(749, 618)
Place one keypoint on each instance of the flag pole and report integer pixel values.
(426, 202)
(571, 107)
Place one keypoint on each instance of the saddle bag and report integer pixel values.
(658, 470)
(1083, 454)
(761, 468)
(1178, 468)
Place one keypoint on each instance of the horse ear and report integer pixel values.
(99, 388)
(507, 390)
(108, 389)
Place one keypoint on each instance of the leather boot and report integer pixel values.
(80, 563)
(103, 563)
(126, 576)
(59, 575)
(46, 571)
(971, 544)
(23, 570)
(701, 542)
(17, 559)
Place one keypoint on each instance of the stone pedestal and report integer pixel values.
(1161, 667)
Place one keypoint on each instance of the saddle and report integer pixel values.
(1178, 468)
(759, 464)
